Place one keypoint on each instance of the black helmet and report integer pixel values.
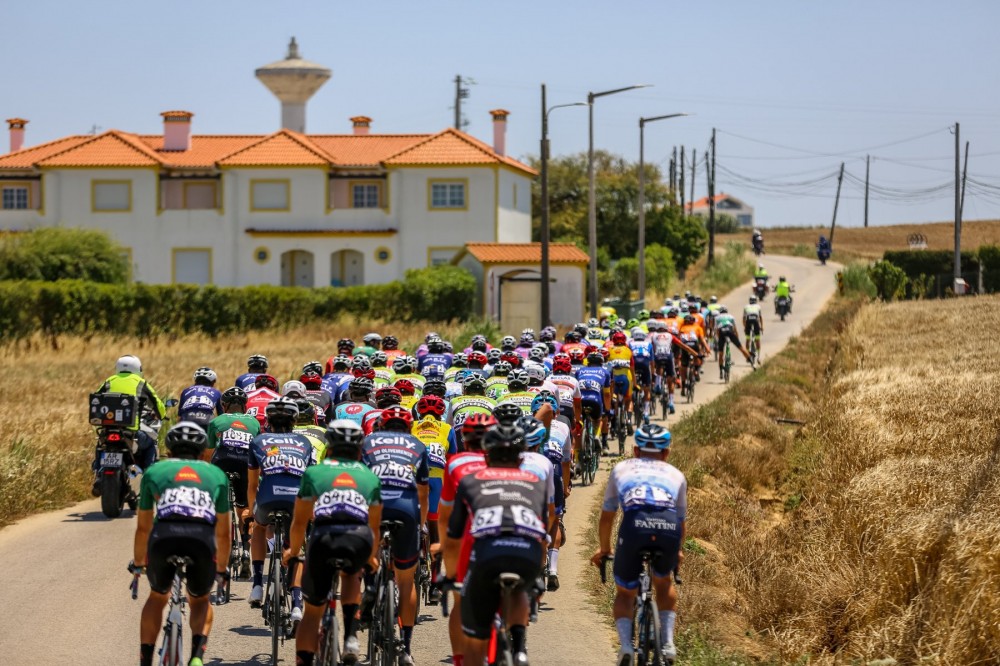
(257, 361)
(436, 346)
(595, 358)
(379, 359)
(234, 395)
(361, 388)
(187, 439)
(307, 412)
(402, 365)
(504, 443)
(282, 410)
(507, 413)
(344, 435)
(390, 342)
(435, 387)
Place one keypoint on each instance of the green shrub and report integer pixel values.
(62, 254)
(854, 279)
(889, 280)
(930, 262)
(989, 257)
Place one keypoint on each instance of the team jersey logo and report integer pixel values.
(187, 474)
(345, 480)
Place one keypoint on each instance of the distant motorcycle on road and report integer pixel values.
(782, 306)
(823, 250)
(760, 288)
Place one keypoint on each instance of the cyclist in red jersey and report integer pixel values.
(259, 398)
(469, 461)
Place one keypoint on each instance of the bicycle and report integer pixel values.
(501, 649)
(424, 575)
(329, 629)
(646, 618)
(639, 404)
(239, 555)
(589, 452)
(620, 421)
(383, 643)
(277, 608)
(727, 363)
(753, 348)
(172, 648)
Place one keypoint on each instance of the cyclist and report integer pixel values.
(128, 380)
(306, 425)
(572, 340)
(315, 393)
(559, 451)
(337, 378)
(183, 511)
(725, 329)
(229, 438)
(663, 356)
(384, 375)
(642, 356)
(199, 403)
(372, 343)
(278, 458)
(256, 365)
(407, 392)
(496, 385)
(519, 395)
(401, 462)
(266, 390)
(390, 345)
(569, 397)
(782, 289)
(477, 361)
(753, 325)
(595, 393)
(437, 360)
(622, 365)
(405, 368)
(343, 499)
(652, 494)
(535, 461)
(384, 399)
(472, 401)
(359, 394)
(436, 437)
(509, 513)
(693, 338)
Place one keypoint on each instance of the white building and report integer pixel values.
(286, 208)
(726, 204)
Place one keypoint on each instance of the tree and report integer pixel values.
(685, 236)
(725, 224)
(62, 254)
(889, 280)
(659, 267)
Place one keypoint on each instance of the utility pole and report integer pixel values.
(460, 94)
(673, 177)
(958, 208)
(867, 164)
(965, 174)
(682, 170)
(836, 202)
(694, 174)
(710, 175)
(545, 211)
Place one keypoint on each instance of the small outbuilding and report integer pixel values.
(510, 281)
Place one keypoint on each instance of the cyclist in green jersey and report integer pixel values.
(229, 438)
(344, 499)
(496, 386)
(517, 382)
(725, 329)
(183, 511)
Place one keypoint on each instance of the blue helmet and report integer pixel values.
(534, 430)
(541, 399)
(652, 438)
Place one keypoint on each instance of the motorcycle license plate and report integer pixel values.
(111, 460)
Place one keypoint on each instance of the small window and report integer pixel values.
(15, 197)
(199, 196)
(269, 195)
(448, 195)
(111, 196)
(745, 220)
(192, 266)
(366, 195)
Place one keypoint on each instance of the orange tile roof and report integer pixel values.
(703, 202)
(111, 148)
(28, 157)
(454, 147)
(368, 150)
(284, 148)
(526, 253)
(205, 151)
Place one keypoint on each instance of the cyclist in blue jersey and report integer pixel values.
(358, 402)
(595, 392)
(256, 365)
(336, 380)
(401, 462)
(642, 354)
(200, 403)
(653, 497)
(437, 360)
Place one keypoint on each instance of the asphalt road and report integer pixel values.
(66, 595)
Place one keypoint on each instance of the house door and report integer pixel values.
(297, 269)
(519, 303)
(347, 268)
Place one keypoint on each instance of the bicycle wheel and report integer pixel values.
(388, 646)
(622, 432)
(276, 599)
(648, 636)
(170, 649)
(329, 643)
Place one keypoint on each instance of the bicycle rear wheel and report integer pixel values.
(276, 601)
(388, 643)
(648, 650)
(329, 643)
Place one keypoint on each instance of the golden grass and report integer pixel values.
(46, 444)
(871, 243)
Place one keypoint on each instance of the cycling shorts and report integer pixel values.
(623, 384)
(643, 377)
(686, 358)
(352, 543)
(481, 588)
(184, 539)
(655, 530)
(728, 333)
(560, 496)
(666, 366)
(197, 416)
(268, 504)
(567, 412)
(593, 408)
(231, 464)
(751, 328)
(435, 485)
(405, 540)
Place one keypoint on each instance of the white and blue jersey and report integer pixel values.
(247, 381)
(642, 351)
(593, 382)
(198, 402)
(540, 466)
(646, 484)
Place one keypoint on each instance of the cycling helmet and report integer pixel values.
(723, 309)
(534, 431)
(562, 364)
(436, 346)
(364, 372)
(713, 299)
(430, 336)
(631, 323)
(234, 396)
(477, 359)
(282, 411)
(511, 357)
(518, 379)
(345, 345)
(361, 363)
(753, 299)
(344, 436)
(593, 322)
(448, 347)
(405, 387)
(400, 420)
(644, 314)
(312, 380)
(430, 404)
(402, 365)
(536, 374)
(293, 389)
(502, 369)
(474, 385)
(595, 358)
(257, 362)
(541, 399)
(313, 366)
(460, 360)
(689, 319)
(493, 355)
(390, 342)
(581, 329)
(387, 396)
(360, 388)
(379, 359)
(638, 333)
(307, 412)
(479, 343)
(341, 363)
(760, 265)
(527, 339)
(205, 374)
(781, 279)
(538, 354)
(372, 340)
(673, 312)
(508, 343)
(508, 412)
(266, 381)
(571, 337)
(577, 356)
(547, 334)
(692, 307)
(460, 376)
(186, 440)
(436, 387)
(475, 427)
(130, 364)
(652, 438)
(618, 338)
(504, 443)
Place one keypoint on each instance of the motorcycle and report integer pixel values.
(758, 245)
(760, 288)
(823, 253)
(782, 306)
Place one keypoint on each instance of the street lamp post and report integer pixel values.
(642, 198)
(546, 319)
(591, 197)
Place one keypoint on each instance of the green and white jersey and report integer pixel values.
(184, 490)
(496, 387)
(232, 432)
(343, 491)
(752, 312)
(722, 320)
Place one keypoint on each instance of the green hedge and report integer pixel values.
(441, 293)
(930, 262)
(989, 257)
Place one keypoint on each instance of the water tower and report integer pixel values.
(293, 81)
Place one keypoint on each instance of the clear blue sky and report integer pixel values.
(830, 79)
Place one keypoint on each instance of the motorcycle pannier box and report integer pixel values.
(113, 409)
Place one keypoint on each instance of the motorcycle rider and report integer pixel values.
(757, 242)
(128, 380)
(782, 290)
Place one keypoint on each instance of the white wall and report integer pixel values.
(565, 294)
(515, 215)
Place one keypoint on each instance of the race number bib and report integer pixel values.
(436, 456)
(198, 403)
(591, 385)
(342, 501)
(185, 502)
(488, 521)
(648, 496)
(282, 463)
(395, 475)
(527, 523)
(236, 439)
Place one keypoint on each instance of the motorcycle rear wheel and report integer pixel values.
(112, 498)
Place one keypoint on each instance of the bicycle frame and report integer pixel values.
(277, 606)
(172, 648)
(329, 628)
(383, 645)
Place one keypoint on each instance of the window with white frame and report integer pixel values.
(112, 196)
(269, 195)
(366, 195)
(448, 195)
(15, 197)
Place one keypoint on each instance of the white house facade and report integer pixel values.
(726, 204)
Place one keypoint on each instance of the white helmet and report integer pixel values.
(130, 364)
(760, 265)
(536, 371)
(294, 387)
(205, 373)
(638, 333)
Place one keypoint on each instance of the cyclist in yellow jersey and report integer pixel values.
(622, 369)
(305, 425)
(435, 435)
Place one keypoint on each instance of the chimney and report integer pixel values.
(177, 130)
(500, 130)
(361, 125)
(16, 133)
